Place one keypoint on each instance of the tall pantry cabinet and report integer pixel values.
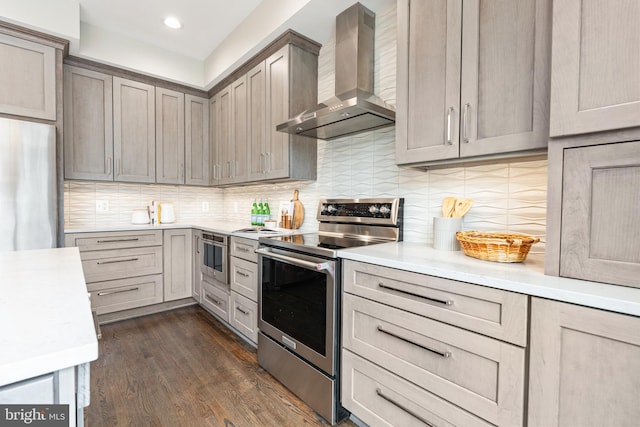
(473, 79)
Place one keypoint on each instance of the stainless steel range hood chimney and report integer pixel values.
(354, 108)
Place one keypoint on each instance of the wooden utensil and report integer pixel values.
(461, 207)
(448, 205)
(298, 211)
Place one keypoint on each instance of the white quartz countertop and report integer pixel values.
(45, 314)
(527, 277)
(224, 227)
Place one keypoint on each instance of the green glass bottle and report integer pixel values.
(254, 214)
(267, 212)
(260, 214)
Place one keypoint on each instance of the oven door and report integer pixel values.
(214, 257)
(298, 302)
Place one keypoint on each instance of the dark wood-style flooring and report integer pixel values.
(184, 368)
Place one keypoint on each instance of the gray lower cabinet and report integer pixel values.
(178, 264)
(595, 78)
(243, 278)
(27, 77)
(134, 131)
(123, 270)
(88, 124)
(584, 367)
(169, 144)
(473, 79)
(421, 350)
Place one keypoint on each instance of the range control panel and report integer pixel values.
(374, 211)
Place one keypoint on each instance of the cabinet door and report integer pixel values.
(256, 130)
(584, 366)
(169, 136)
(277, 111)
(595, 78)
(505, 76)
(27, 78)
(88, 125)
(224, 142)
(177, 264)
(215, 162)
(134, 125)
(238, 148)
(429, 39)
(196, 117)
(600, 221)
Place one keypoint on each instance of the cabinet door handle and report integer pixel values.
(213, 300)
(116, 261)
(119, 291)
(134, 239)
(465, 122)
(197, 244)
(117, 171)
(449, 124)
(109, 160)
(439, 301)
(242, 311)
(240, 273)
(241, 249)
(402, 407)
(215, 171)
(267, 163)
(262, 163)
(182, 171)
(444, 354)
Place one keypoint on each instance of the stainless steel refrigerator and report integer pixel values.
(28, 191)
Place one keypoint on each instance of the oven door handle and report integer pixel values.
(295, 261)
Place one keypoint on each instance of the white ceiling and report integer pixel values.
(206, 23)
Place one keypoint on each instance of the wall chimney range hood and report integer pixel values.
(354, 108)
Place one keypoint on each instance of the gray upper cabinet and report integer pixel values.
(256, 129)
(600, 221)
(196, 116)
(595, 84)
(88, 125)
(215, 161)
(223, 140)
(169, 136)
(473, 79)
(134, 131)
(27, 78)
(239, 125)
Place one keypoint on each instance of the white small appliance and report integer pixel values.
(167, 213)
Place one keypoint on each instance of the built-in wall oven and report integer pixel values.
(301, 293)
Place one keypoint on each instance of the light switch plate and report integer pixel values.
(102, 206)
(205, 206)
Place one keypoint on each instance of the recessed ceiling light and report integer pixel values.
(172, 22)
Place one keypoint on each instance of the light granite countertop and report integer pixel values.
(527, 277)
(45, 314)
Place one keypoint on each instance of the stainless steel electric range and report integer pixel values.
(301, 292)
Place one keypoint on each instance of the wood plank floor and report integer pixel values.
(184, 368)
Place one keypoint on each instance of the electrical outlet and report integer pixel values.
(205, 206)
(102, 206)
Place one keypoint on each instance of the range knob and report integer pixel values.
(374, 209)
(384, 210)
(331, 209)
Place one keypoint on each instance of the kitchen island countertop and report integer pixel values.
(527, 277)
(45, 314)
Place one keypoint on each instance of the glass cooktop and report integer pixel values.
(318, 244)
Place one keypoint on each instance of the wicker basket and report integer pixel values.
(500, 247)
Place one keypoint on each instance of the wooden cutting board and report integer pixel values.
(298, 211)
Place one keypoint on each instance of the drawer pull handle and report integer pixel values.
(439, 301)
(240, 273)
(135, 239)
(213, 300)
(119, 291)
(241, 249)
(444, 354)
(242, 311)
(117, 260)
(402, 407)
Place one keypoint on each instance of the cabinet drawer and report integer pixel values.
(116, 295)
(114, 240)
(244, 248)
(121, 263)
(244, 278)
(380, 398)
(244, 316)
(480, 374)
(215, 299)
(493, 312)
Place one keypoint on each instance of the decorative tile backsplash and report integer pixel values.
(508, 196)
